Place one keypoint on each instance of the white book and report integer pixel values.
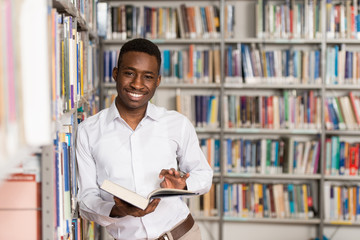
(306, 156)
(276, 111)
(198, 22)
(327, 201)
(348, 112)
(299, 155)
(233, 207)
(286, 202)
(263, 156)
(240, 199)
(290, 156)
(138, 200)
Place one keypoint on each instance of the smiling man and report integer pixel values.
(141, 147)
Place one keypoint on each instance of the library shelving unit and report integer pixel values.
(74, 80)
(286, 88)
(48, 83)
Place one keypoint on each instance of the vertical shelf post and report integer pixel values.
(47, 193)
(321, 209)
(222, 120)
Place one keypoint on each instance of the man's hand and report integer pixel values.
(122, 208)
(173, 179)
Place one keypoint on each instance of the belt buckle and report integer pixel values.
(165, 237)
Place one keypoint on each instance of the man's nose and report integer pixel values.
(137, 81)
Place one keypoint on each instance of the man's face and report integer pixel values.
(136, 80)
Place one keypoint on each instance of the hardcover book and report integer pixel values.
(138, 200)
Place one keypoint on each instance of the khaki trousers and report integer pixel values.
(193, 234)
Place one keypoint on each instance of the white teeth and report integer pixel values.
(135, 95)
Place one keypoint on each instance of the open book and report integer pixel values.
(138, 200)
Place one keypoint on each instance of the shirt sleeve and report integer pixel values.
(192, 160)
(92, 206)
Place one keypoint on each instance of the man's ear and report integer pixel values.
(114, 73)
(158, 81)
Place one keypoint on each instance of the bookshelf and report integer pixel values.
(35, 111)
(74, 81)
(320, 31)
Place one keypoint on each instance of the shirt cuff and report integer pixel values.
(101, 218)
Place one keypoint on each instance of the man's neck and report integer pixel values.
(131, 117)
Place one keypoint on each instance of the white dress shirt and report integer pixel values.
(108, 148)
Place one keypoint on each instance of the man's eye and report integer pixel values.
(129, 73)
(148, 77)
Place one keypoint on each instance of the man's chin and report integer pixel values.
(135, 106)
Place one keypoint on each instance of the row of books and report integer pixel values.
(65, 177)
(292, 19)
(342, 19)
(202, 110)
(291, 110)
(269, 200)
(342, 65)
(271, 156)
(74, 76)
(243, 63)
(211, 150)
(342, 112)
(342, 157)
(87, 10)
(192, 65)
(66, 188)
(127, 21)
(85, 229)
(206, 205)
(73, 66)
(342, 202)
(289, 66)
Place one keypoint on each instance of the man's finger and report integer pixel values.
(163, 172)
(186, 176)
(152, 206)
(172, 171)
(177, 174)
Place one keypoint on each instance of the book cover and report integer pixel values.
(291, 200)
(354, 159)
(354, 107)
(335, 155)
(138, 200)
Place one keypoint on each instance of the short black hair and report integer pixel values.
(140, 45)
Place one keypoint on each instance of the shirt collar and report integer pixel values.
(112, 113)
(152, 112)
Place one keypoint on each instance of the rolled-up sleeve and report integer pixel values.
(192, 160)
(92, 206)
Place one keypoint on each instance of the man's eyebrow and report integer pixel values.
(134, 69)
